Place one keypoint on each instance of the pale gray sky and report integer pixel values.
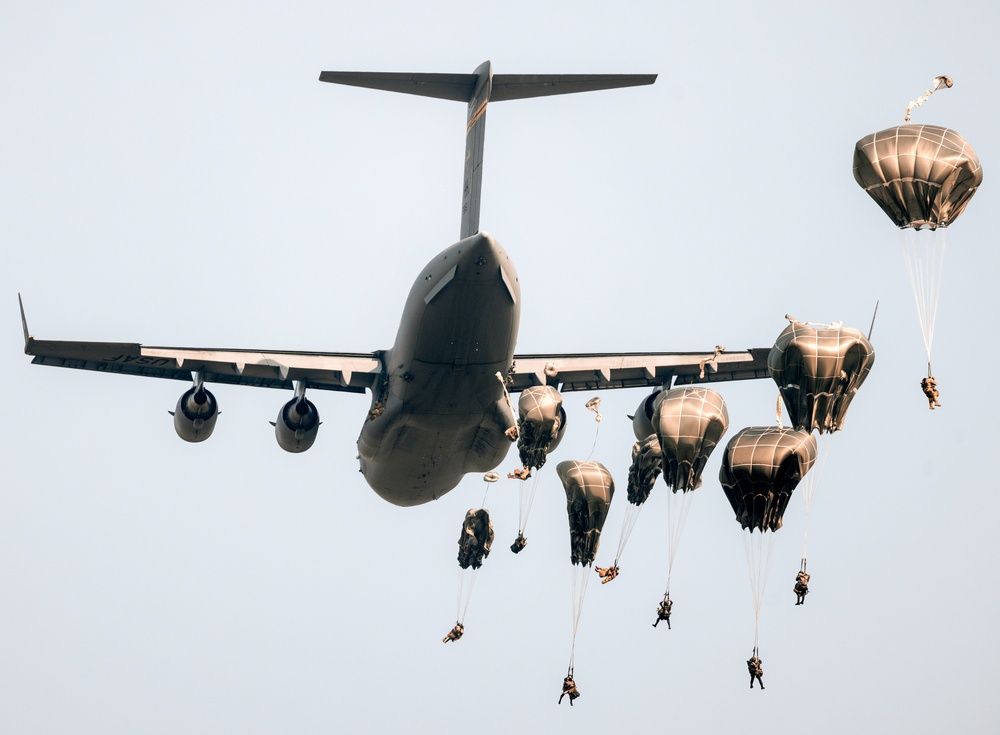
(174, 173)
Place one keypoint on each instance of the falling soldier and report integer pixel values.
(756, 668)
(455, 633)
(569, 687)
(801, 587)
(606, 574)
(929, 387)
(521, 473)
(663, 612)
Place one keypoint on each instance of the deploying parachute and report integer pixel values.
(476, 538)
(474, 542)
(589, 490)
(818, 369)
(760, 469)
(922, 176)
(541, 425)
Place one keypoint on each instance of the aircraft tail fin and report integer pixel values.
(477, 90)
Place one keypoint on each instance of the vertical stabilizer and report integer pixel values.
(475, 140)
(478, 89)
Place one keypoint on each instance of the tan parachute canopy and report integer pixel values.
(922, 176)
(760, 469)
(689, 422)
(818, 369)
(541, 425)
(589, 490)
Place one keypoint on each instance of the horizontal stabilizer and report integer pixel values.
(460, 87)
(456, 87)
(522, 86)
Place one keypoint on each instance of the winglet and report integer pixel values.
(24, 325)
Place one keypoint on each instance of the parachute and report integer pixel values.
(647, 463)
(922, 176)
(541, 425)
(589, 490)
(683, 425)
(476, 538)
(818, 368)
(594, 404)
(760, 469)
(689, 422)
(474, 542)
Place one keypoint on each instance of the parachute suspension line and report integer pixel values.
(810, 483)
(678, 507)
(758, 566)
(466, 582)
(580, 577)
(597, 433)
(526, 497)
(924, 255)
(628, 523)
(777, 410)
(941, 82)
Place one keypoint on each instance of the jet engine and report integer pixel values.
(297, 424)
(642, 421)
(194, 418)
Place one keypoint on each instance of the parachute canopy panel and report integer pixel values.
(922, 176)
(818, 369)
(589, 489)
(761, 468)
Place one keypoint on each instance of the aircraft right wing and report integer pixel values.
(602, 371)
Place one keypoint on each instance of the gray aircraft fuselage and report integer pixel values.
(439, 411)
(444, 412)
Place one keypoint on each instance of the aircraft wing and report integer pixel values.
(602, 371)
(340, 371)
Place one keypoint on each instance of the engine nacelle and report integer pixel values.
(642, 421)
(197, 410)
(297, 425)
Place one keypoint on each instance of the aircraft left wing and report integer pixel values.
(339, 371)
(602, 371)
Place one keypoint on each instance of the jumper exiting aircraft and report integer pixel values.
(440, 395)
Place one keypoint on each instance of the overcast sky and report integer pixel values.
(174, 174)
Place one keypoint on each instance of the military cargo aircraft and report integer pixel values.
(440, 395)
